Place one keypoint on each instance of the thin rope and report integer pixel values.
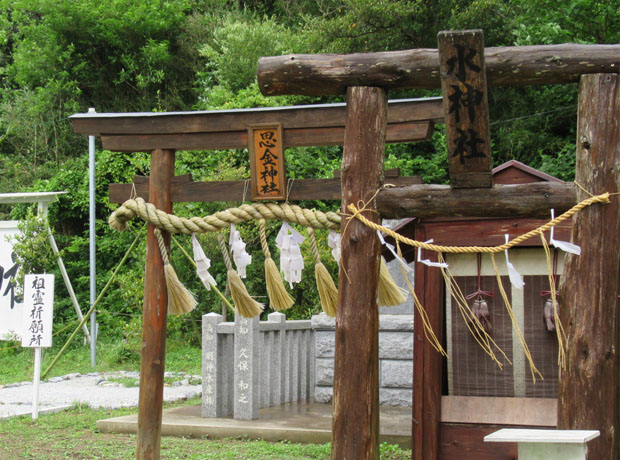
(313, 246)
(224, 250)
(559, 329)
(246, 184)
(191, 259)
(289, 187)
(263, 237)
(162, 247)
(357, 214)
(475, 328)
(429, 333)
(515, 325)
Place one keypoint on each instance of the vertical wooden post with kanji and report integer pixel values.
(466, 112)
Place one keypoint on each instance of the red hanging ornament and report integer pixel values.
(480, 308)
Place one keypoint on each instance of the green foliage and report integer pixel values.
(426, 159)
(561, 165)
(237, 45)
(18, 362)
(381, 25)
(111, 51)
(580, 21)
(58, 57)
(32, 248)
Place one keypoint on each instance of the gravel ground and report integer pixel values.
(109, 390)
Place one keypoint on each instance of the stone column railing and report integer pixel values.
(251, 364)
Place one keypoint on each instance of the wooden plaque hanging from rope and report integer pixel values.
(267, 162)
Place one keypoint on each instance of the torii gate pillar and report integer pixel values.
(356, 412)
(155, 313)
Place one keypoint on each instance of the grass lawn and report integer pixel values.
(73, 435)
(18, 363)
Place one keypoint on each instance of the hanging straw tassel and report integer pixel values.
(328, 292)
(246, 306)
(180, 300)
(390, 294)
(279, 298)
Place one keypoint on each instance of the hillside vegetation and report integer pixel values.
(59, 57)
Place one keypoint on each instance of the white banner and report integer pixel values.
(11, 304)
(38, 310)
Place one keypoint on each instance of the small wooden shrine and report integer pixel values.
(476, 394)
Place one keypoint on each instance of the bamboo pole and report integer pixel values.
(92, 308)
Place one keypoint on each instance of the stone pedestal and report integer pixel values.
(546, 444)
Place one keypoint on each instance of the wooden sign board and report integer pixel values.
(267, 162)
(466, 112)
(38, 311)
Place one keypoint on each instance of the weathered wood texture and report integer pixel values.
(323, 74)
(427, 362)
(533, 200)
(298, 189)
(588, 388)
(412, 200)
(293, 137)
(464, 442)
(322, 124)
(466, 110)
(355, 427)
(154, 317)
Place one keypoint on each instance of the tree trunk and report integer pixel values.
(324, 74)
(588, 388)
(356, 369)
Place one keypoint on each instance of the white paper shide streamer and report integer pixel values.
(391, 249)
(202, 264)
(291, 260)
(240, 256)
(515, 278)
(563, 245)
(428, 262)
(333, 241)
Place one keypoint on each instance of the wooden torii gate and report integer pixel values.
(462, 67)
(407, 120)
(365, 78)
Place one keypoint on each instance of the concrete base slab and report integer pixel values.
(305, 423)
